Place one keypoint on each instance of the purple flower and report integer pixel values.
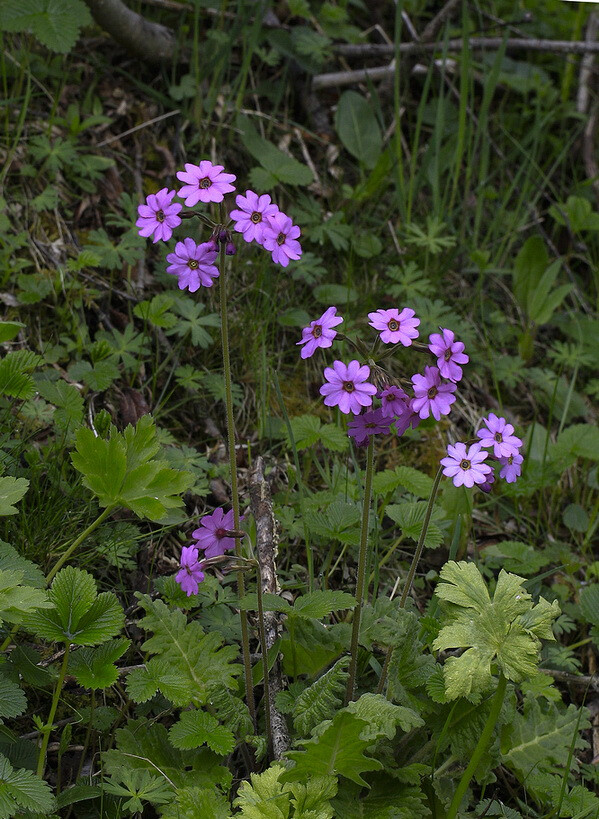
(212, 534)
(394, 401)
(450, 354)
(280, 237)
(205, 183)
(395, 327)
(369, 423)
(252, 217)
(408, 419)
(193, 264)
(190, 575)
(347, 387)
(431, 396)
(498, 434)
(488, 484)
(159, 216)
(465, 466)
(319, 333)
(511, 468)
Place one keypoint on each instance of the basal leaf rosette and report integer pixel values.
(503, 632)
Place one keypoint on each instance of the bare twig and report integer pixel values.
(476, 44)
(266, 542)
(435, 25)
(579, 680)
(586, 65)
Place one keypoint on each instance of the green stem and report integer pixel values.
(41, 761)
(262, 632)
(77, 542)
(362, 560)
(481, 747)
(412, 571)
(245, 642)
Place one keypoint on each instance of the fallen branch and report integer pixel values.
(149, 41)
(475, 43)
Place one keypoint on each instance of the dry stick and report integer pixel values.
(436, 24)
(582, 104)
(147, 40)
(412, 571)
(266, 543)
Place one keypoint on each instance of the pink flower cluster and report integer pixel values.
(256, 218)
(466, 465)
(213, 537)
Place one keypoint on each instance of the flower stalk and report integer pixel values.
(264, 647)
(362, 561)
(412, 571)
(245, 642)
(41, 760)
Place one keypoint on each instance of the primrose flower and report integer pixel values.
(159, 216)
(465, 465)
(450, 353)
(252, 217)
(431, 396)
(511, 467)
(347, 387)
(211, 536)
(205, 183)
(408, 419)
(394, 401)
(395, 327)
(488, 484)
(369, 423)
(280, 237)
(190, 575)
(499, 434)
(319, 333)
(193, 264)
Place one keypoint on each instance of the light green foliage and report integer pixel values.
(517, 557)
(539, 738)
(338, 522)
(276, 165)
(95, 667)
(338, 750)
(574, 803)
(506, 630)
(12, 699)
(533, 280)
(308, 645)
(320, 700)
(198, 803)
(22, 790)
(382, 717)
(265, 796)
(123, 471)
(68, 401)
(387, 799)
(144, 745)
(589, 607)
(191, 321)
(433, 239)
(575, 213)
(358, 128)
(157, 311)
(308, 431)
(576, 441)
(410, 519)
(137, 787)
(55, 23)
(79, 615)
(412, 480)
(198, 727)
(9, 329)
(187, 661)
(231, 710)
(11, 491)
(17, 601)
(15, 373)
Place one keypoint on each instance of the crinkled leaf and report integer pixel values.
(198, 727)
(55, 23)
(95, 667)
(322, 699)
(382, 717)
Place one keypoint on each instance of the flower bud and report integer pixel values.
(230, 249)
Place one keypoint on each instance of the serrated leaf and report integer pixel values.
(11, 491)
(414, 481)
(12, 699)
(68, 402)
(124, 472)
(198, 803)
(339, 750)
(80, 615)
(589, 604)
(56, 23)
(382, 717)
(320, 700)
(410, 518)
(15, 369)
(338, 522)
(505, 630)
(23, 790)
(94, 667)
(198, 727)
(318, 604)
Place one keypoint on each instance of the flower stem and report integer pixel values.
(262, 632)
(77, 542)
(362, 560)
(41, 760)
(481, 747)
(245, 642)
(412, 571)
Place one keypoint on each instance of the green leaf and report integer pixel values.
(506, 630)
(68, 401)
(589, 604)
(94, 667)
(312, 646)
(413, 481)
(80, 615)
(334, 293)
(337, 523)
(22, 790)
(382, 717)
(337, 751)
(124, 472)
(15, 380)
(322, 699)
(318, 604)
(198, 803)
(9, 329)
(264, 796)
(388, 799)
(531, 262)
(358, 128)
(11, 491)
(17, 601)
(55, 23)
(516, 557)
(198, 727)
(410, 518)
(12, 699)
(283, 168)
(188, 662)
